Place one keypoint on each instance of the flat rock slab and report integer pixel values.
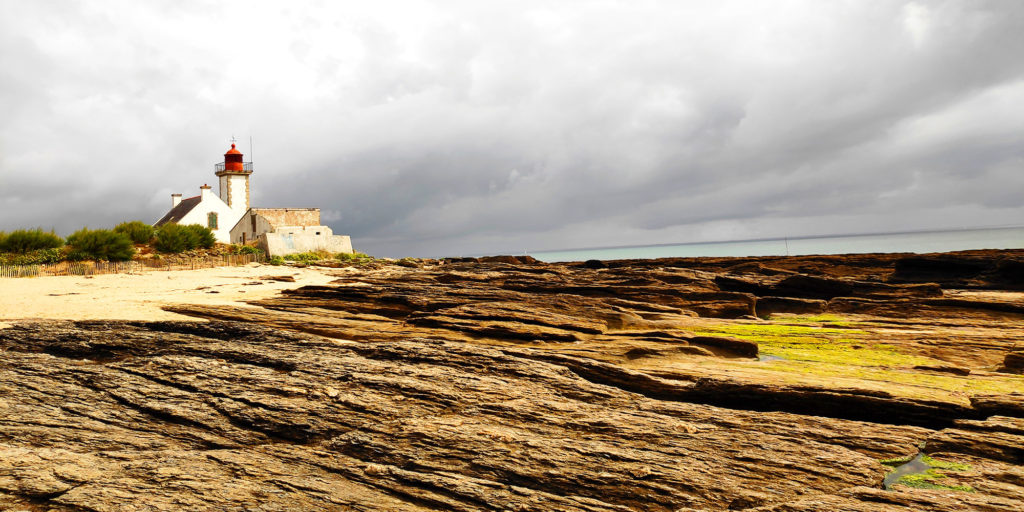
(123, 416)
(113, 415)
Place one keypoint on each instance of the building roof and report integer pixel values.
(179, 212)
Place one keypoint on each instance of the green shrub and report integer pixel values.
(171, 238)
(49, 255)
(32, 258)
(139, 232)
(177, 238)
(27, 240)
(100, 244)
(200, 236)
(276, 260)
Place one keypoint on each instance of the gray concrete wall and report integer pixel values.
(296, 239)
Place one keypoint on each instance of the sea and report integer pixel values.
(917, 241)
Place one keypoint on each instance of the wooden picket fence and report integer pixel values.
(89, 268)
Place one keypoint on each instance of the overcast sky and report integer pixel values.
(469, 127)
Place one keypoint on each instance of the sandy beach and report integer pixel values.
(141, 296)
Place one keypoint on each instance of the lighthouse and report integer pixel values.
(234, 180)
(278, 231)
(219, 212)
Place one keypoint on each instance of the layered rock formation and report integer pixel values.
(773, 384)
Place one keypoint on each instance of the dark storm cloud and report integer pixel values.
(433, 128)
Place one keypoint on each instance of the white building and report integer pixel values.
(279, 231)
(219, 213)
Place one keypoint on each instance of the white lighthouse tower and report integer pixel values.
(234, 181)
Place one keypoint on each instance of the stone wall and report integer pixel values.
(278, 217)
(257, 221)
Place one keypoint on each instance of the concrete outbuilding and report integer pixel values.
(283, 231)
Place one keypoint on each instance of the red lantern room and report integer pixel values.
(233, 174)
(233, 160)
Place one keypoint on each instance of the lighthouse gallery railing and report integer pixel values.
(246, 166)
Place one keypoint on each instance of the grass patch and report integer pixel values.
(829, 319)
(351, 256)
(304, 257)
(902, 382)
(934, 477)
(846, 353)
(312, 257)
(818, 344)
(843, 357)
(946, 465)
(931, 481)
(840, 357)
(774, 332)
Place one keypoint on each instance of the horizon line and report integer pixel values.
(782, 238)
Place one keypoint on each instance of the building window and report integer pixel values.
(211, 220)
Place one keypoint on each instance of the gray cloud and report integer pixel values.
(437, 128)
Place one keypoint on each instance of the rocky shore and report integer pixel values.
(761, 384)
